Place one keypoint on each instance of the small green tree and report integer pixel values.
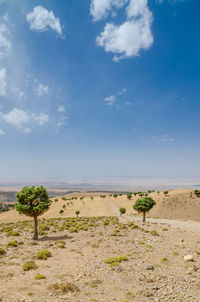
(77, 213)
(115, 195)
(144, 205)
(122, 211)
(197, 193)
(166, 193)
(33, 202)
(129, 196)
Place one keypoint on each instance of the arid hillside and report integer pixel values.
(177, 204)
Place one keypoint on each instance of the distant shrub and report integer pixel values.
(29, 265)
(39, 277)
(43, 254)
(197, 193)
(5, 207)
(61, 211)
(77, 213)
(12, 243)
(166, 193)
(63, 287)
(115, 195)
(154, 233)
(129, 196)
(12, 233)
(116, 259)
(122, 211)
(2, 251)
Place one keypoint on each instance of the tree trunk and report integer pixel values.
(35, 236)
(144, 217)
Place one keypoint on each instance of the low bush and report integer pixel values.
(43, 254)
(29, 265)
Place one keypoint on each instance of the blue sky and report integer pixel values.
(99, 88)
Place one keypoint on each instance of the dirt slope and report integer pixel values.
(178, 204)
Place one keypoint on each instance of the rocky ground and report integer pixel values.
(100, 259)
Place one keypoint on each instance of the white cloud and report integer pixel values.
(40, 19)
(121, 92)
(5, 44)
(16, 117)
(42, 89)
(61, 109)
(42, 118)
(110, 100)
(19, 93)
(99, 8)
(129, 38)
(62, 121)
(3, 82)
(27, 130)
(164, 139)
(2, 132)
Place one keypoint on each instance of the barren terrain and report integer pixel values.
(101, 257)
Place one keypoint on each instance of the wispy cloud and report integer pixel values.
(42, 118)
(2, 132)
(42, 89)
(110, 100)
(122, 91)
(3, 82)
(61, 109)
(5, 43)
(164, 139)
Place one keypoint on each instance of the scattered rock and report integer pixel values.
(118, 269)
(150, 268)
(188, 258)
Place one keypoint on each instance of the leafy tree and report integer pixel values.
(129, 196)
(115, 195)
(122, 211)
(166, 193)
(144, 205)
(197, 193)
(77, 213)
(33, 201)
